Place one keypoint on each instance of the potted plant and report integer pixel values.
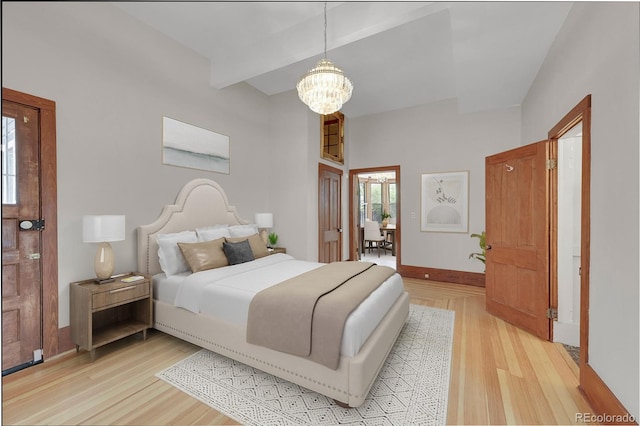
(273, 239)
(482, 242)
(385, 219)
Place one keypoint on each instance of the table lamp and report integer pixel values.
(264, 221)
(103, 229)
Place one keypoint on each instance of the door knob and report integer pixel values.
(488, 246)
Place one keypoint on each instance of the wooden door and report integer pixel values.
(21, 268)
(329, 214)
(517, 217)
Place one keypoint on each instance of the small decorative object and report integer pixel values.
(103, 229)
(273, 239)
(445, 200)
(385, 219)
(482, 257)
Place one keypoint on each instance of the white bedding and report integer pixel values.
(226, 293)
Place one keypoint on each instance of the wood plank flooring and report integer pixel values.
(500, 375)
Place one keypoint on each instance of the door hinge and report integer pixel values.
(552, 313)
(552, 164)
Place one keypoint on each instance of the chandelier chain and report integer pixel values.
(325, 30)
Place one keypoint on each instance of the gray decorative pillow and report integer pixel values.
(239, 252)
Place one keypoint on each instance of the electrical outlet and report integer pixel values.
(413, 215)
(426, 276)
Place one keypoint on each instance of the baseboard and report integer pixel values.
(443, 275)
(607, 407)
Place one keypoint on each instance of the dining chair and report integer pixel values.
(372, 235)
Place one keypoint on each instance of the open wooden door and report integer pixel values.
(517, 216)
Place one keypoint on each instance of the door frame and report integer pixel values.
(353, 209)
(49, 212)
(580, 113)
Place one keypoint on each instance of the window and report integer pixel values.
(376, 202)
(392, 200)
(377, 195)
(8, 160)
(363, 202)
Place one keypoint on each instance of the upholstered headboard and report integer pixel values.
(201, 202)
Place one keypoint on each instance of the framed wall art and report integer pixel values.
(445, 202)
(189, 146)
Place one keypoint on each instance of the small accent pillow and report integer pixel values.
(258, 247)
(238, 252)
(212, 233)
(243, 230)
(204, 255)
(171, 259)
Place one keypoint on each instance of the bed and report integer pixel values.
(220, 325)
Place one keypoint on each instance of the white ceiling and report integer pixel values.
(398, 54)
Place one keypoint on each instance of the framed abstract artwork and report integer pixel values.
(189, 146)
(445, 202)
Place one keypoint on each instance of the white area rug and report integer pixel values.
(411, 389)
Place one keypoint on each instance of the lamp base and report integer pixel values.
(105, 281)
(265, 236)
(104, 263)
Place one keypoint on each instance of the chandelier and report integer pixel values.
(324, 88)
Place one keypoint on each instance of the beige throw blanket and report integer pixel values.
(305, 315)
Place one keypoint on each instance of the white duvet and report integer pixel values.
(226, 293)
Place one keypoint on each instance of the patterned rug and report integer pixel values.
(411, 389)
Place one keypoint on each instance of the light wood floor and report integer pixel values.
(500, 375)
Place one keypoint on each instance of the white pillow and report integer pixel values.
(243, 230)
(212, 233)
(172, 261)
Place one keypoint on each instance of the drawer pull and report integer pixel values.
(118, 290)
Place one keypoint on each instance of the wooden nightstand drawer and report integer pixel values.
(118, 295)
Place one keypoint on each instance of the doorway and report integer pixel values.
(523, 233)
(29, 231)
(375, 197)
(329, 214)
(574, 129)
(566, 329)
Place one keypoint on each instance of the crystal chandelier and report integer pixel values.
(324, 88)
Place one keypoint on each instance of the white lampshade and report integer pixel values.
(103, 228)
(264, 220)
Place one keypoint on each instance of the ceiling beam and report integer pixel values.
(347, 22)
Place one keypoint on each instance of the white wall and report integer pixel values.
(597, 52)
(113, 79)
(294, 206)
(434, 138)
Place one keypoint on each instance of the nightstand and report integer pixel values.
(278, 250)
(103, 313)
